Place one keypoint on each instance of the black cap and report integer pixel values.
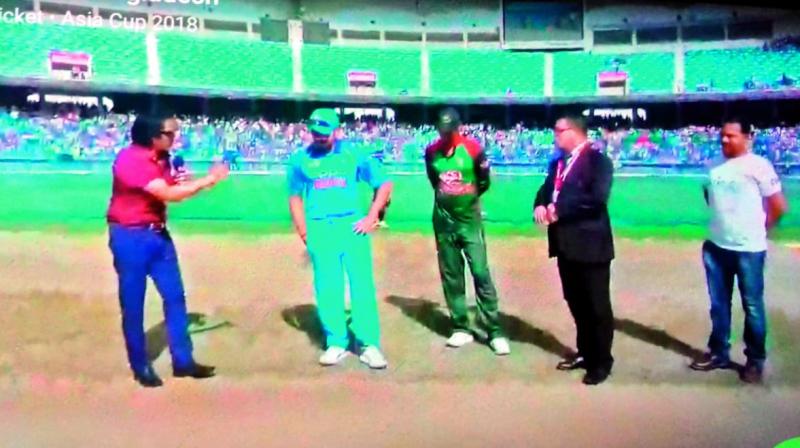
(449, 120)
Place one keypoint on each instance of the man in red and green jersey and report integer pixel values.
(459, 173)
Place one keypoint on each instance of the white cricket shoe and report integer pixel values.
(332, 356)
(373, 357)
(500, 346)
(460, 339)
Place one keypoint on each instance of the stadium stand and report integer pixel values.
(203, 138)
(224, 63)
(420, 15)
(250, 66)
(575, 73)
(325, 68)
(118, 56)
(467, 73)
(728, 70)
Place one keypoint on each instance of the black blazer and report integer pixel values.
(582, 232)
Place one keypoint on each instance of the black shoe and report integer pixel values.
(596, 376)
(148, 378)
(709, 362)
(197, 371)
(752, 374)
(572, 363)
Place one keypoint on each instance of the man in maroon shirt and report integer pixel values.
(142, 246)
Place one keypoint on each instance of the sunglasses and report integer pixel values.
(319, 123)
(170, 134)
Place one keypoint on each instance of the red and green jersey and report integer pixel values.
(459, 173)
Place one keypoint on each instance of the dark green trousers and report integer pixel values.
(456, 241)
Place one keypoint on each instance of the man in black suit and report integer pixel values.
(573, 203)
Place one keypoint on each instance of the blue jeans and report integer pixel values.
(722, 266)
(139, 253)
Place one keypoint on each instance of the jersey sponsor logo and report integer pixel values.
(452, 183)
(451, 177)
(728, 185)
(329, 182)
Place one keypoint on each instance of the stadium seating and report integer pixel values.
(118, 56)
(471, 73)
(575, 73)
(727, 70)
(325, 68)
(246, 65)
(233, 64)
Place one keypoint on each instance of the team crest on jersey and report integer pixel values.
(329, 182)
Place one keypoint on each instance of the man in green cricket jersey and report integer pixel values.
(459, 173)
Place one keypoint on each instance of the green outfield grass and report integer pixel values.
(641, 207)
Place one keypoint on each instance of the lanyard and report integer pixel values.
(562, 171)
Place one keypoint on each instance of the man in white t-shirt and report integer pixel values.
(745, 198)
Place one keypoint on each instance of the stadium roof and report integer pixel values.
(108, 88)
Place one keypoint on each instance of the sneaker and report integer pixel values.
(709, 362)
(383, 225)
(332, 356)
(373, 357)
(500, 346)
(460, 339)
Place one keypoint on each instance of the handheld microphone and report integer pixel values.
(178, 166)
(178, 163)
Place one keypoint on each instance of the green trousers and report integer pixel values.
(456, 241)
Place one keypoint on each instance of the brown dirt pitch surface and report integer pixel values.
(64, 379)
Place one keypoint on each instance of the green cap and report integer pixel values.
(323, 121)
(449, 120)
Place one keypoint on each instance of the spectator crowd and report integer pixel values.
(203, 138)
